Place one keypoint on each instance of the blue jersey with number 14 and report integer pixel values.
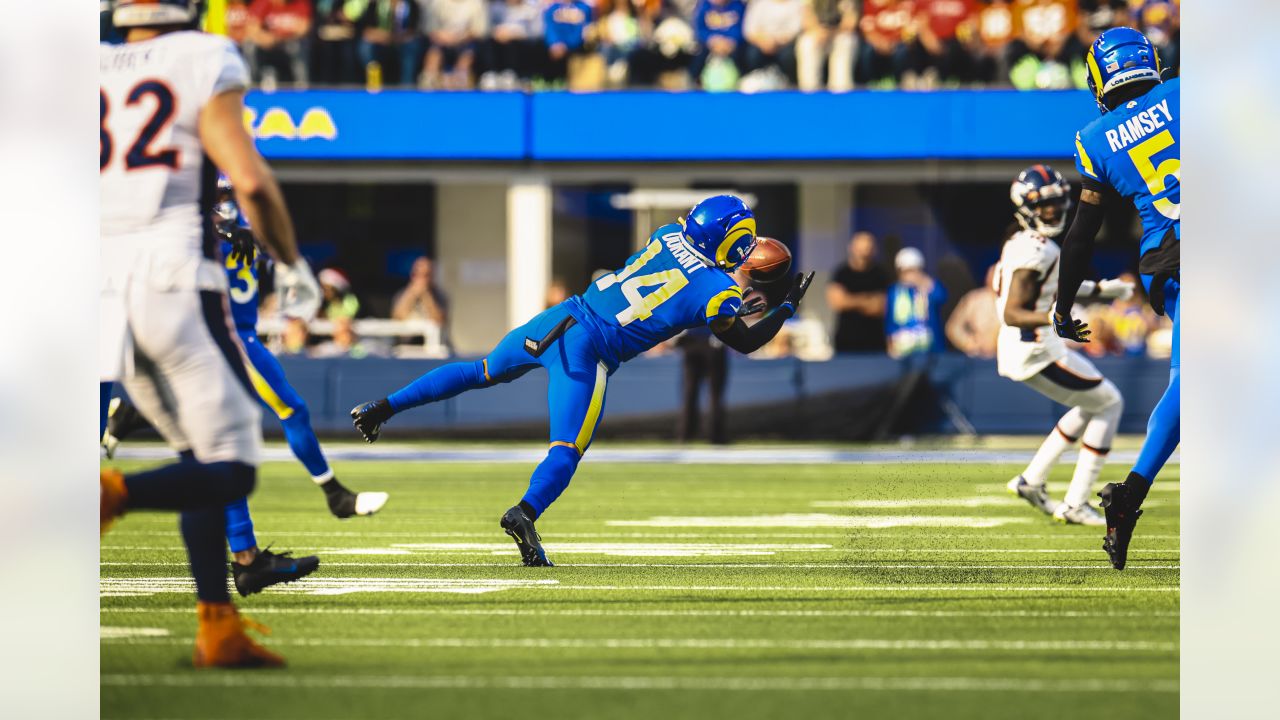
(663, 290)
(1135, 149)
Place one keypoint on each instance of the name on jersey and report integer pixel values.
(690, 262)
(1139, 126)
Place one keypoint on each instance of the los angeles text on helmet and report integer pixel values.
(1139, 126)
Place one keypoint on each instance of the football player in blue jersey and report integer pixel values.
(680, 280)
(1133, 150)
(255, 569)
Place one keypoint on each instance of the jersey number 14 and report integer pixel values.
(641, 307)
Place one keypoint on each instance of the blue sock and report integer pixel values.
(239, 526)
(203, 534)
(1163, 430)
(104, 403)
(551, 477)
(302, 441)
(442, 383)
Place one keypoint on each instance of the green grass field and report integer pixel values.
(903, 590)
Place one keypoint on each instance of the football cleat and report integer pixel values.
(111, 498)
(1036, 495)
(222, 642)
(344, 504)
(1122, 517)
(1084, 514)
(518, 525)
(368, 418)
(269, 569)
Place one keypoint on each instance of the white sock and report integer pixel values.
(1095, 443)
(322, 479)
(1088, 467)
(1064, 435)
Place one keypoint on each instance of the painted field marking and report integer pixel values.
(622, 549)
(1090, 551)
(1064, 535)
(1099, 565)
(588, 612)
(123, 587)
(1004, 646)
(771, 683)
(815, 520)
(964, 502)
(120, 633)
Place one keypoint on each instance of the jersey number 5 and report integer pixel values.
(641, 307)
(140, 154)
(1142, 155)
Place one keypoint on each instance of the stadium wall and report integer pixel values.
(554, 127)
(818, 400)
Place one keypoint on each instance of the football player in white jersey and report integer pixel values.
(172, 103)
(1029, 351)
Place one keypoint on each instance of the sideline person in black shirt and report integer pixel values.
(857, 294)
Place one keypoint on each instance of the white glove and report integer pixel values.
(1115, 289)
(299, 291)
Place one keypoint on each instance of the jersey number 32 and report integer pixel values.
(140, 153)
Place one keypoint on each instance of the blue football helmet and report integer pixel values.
(226, 213)
(154, 13)
(1118, 57)
(720, 230)
(1041, 199)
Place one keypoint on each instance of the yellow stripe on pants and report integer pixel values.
(269, 396)
(593, 409)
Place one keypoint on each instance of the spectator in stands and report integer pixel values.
(1046, 52)
(619, 37)
(974, 325)
(856, 293)
(276, 41)
(703, 359)
(829, 38)
(1159, 21)
(339, 301)
(995, 32)
(1122, 326)
(390, 35)
(770, 28)
(913, 313)
(294, 338)
(421, 298)
(666, 49)
(333, 55)
(568, 31)
(721, 57)
(454, 27)
(346, 343)
(557, 292)
(235, 21)
(941, 50)
(882, 55)
(514, 52)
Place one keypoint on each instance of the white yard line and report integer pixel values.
(1003, 646)
(524, 612)
(170, 532)
(1100, 565)
(771, 683)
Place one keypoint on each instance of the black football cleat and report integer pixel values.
(368, 418)
(1122, 516)
(271, 569)
(518, 525)
(344, 503)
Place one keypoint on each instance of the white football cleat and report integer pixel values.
(368, 503)
(1085, 514)
(1036, 495)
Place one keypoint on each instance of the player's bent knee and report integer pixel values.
(563, 457)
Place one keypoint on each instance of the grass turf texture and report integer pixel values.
(1022, 619)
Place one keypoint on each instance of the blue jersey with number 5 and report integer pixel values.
(242, 287)
(663, 290)
(1135, 150)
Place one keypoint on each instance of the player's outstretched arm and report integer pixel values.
(746, 339)
(1077, 247)
(228, 144)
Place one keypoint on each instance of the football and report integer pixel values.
(769, 261)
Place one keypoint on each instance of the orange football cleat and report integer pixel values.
(112, 498)
(221, 640)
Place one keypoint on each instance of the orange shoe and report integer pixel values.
(222, 642)
(112, 498)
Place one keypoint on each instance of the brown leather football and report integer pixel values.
(770, 260)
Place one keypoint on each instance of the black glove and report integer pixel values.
(755, 306)
(799, 287)
(1070, 328)
(243, 246)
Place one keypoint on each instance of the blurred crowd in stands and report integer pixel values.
(717, 45)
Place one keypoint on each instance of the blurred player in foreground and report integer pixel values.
(1029, 352)
(680, 280)
(170, 97)
(1133, 150)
